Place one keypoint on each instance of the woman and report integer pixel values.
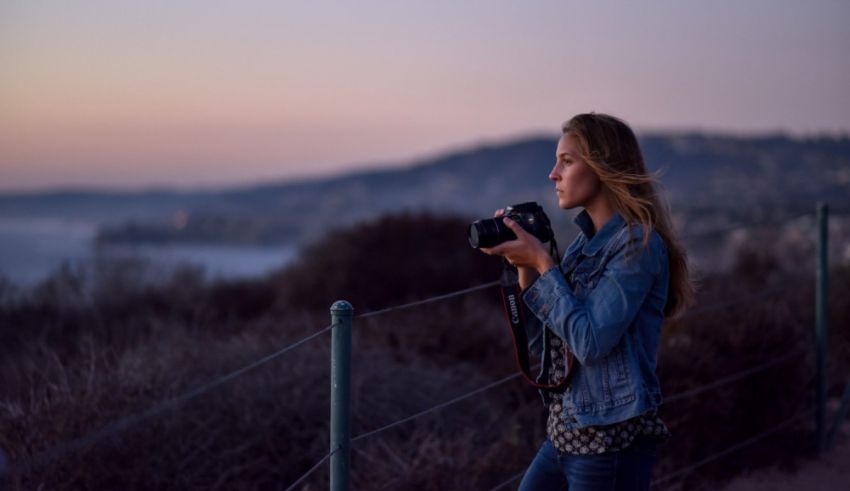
(598, 318)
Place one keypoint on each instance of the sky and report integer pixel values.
(201, 94)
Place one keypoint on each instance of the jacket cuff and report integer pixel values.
(541, 296)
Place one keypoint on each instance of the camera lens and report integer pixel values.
(480, 235)
(488, 233)
(473, 235)
(491, 232)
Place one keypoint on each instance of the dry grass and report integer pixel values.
(82, 351)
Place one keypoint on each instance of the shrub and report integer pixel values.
(83, 350)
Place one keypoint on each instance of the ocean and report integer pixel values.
(32, 248)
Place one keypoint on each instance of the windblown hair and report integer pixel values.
(611, 149)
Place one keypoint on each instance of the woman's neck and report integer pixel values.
(600, 210)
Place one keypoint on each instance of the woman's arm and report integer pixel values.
(526, 276)
(592, 327)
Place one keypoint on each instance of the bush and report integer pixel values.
(84, 349)
(392, 260)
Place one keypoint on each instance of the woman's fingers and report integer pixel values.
(497, 251)
(493, 251)
(500, 212)
(522, 251)
(515, 228)
(510, 245)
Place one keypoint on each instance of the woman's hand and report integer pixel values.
(526, 251)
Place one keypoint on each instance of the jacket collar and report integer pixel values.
(597, 239)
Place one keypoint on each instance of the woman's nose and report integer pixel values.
(552, 175)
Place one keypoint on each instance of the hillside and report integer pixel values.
(706, 177)
(83, 351)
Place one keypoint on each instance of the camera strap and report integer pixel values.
(515, 314)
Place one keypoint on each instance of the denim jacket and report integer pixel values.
(608, 307)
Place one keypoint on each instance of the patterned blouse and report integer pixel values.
(594, 439)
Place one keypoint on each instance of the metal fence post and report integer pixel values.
(342, 314)
(821, 324)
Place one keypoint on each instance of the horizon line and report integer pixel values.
(408, 162)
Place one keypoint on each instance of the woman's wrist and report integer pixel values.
(545, 263)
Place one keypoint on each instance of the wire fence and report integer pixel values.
(701, 234)
(127, 422)
(741, 300)
(438, 298)
(455, 400)
(735, 376)
(313, 469)
(678, 396)
(699, 390)
(749, 441)
(123, 424)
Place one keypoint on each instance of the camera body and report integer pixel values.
(491, 232)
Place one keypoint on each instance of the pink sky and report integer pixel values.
(134, 94)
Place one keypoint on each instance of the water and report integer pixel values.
(32, 248)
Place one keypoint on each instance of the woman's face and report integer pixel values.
(575, 182)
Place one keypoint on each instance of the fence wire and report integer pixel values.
(438, 406)
(699, 390)
(740, 225)
(127, 422)
(509, 481)
(313, 468)
(427, 300)
(123, 424)
(748, 299)
(736, 376)
(711, 458)
(689, 393)
(700, 463)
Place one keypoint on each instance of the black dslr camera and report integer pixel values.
(491, 232)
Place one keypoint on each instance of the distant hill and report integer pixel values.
(737, 177)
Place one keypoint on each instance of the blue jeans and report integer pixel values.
(629, 469)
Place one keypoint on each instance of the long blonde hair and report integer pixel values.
(611, 149)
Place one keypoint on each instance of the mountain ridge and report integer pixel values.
(740, 176)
